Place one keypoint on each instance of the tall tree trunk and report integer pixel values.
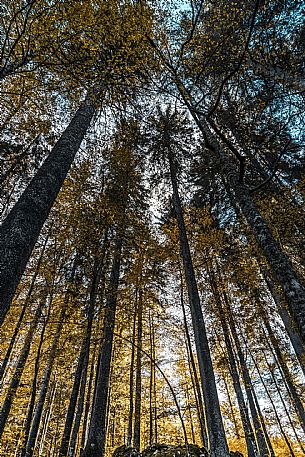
(249, 434)
(217, 439)
(151, 383)
(34, 386)
(287, 441)
(198, 395)
(79, 411)
(21, 228)
(18, 325)
(138, 393)
(82, 361)
(231, 406)
(296, 341)
(5, 410)
(298, 406)
(97, 432)
(280, 265)
(280, 394)
(87, 403)
(154, 382)
(261, 441)
(131, 380)
(44, 386)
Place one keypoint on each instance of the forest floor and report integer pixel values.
(167, 450)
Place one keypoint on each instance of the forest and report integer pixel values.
(152, 237)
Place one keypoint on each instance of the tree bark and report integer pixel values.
(44, 386)
(280, 265)
(97, 432)
(193, 371)
(287, 441)
(261, 441)
(5, 410)
(249, 434)
(21, 228)
(137, 415)
(288, 322)
(34, 386)
(299, 408)
(82, 362)
(217, 439)
(131, 383)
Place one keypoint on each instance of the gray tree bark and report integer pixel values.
(217, 439)
(97, 431)
(21, 228)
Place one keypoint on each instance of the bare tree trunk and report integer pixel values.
(294, 395)
(198, 395)
(217, 439)
(97, 431)
(151, 381)
(138, 393)
(82, 361)
(87, 404)
(261, 441)
(290, 326)
(287, 441)
(79, 411)
(44, 386)
(280, 394)
(34, 386)
(154, 381)
(18, 325)
(249, 434)
(5, 410)
(21, 228)
(131, 380)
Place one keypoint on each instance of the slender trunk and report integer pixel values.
(151, 380)
(113, 427)
(138, 393)
(109, 393)
(287, 441)
(5, 410)
(44, 387)
(197, 391)
(82, 362)
(131, 382)
(261, 418)
(280, 394)
(21, 228)
(154, 382)
(34, 386)
(87, 404)
(294, 395)
(296, 341)
(261, 441)
(47, 416)
(231, 407)
(188, 408)
(18, 325)
(97, 432)
(281, 267)
(217, 439)
(79, 411)
(249, 434)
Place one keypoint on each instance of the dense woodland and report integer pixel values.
(152, 238)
